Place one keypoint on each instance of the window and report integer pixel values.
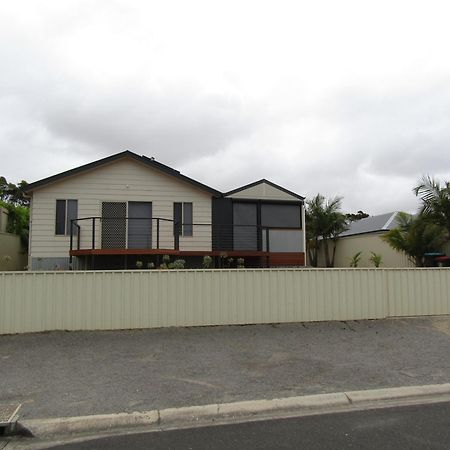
(183, 218)
(66, 210)
(282, 216)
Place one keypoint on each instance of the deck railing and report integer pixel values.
(92, 233)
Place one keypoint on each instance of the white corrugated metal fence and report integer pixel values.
(39, 301)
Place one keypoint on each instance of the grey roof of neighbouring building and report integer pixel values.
(382, 222)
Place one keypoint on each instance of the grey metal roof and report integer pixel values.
(382, 222)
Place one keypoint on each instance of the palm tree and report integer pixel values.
(325, 222)
(415, 236)
(435, 201)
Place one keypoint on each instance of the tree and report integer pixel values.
(13, 198)
(415, 236)
(357, 216)
(12, 193)
(435, 200)
(325, 222)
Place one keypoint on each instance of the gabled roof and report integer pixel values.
(263, 181)
(382, 222)
(126, 154)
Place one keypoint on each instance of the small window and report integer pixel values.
(183, 218)
(66, 211)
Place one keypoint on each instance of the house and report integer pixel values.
(126, 208)
(365, 236)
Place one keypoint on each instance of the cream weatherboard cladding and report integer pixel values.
(122, 180)
(262, 191)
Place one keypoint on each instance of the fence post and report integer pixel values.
(386, 293)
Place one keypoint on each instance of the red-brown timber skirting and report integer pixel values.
(274, 258)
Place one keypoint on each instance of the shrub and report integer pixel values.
(355, 259)
(178, 264)
(207, 260)
(376, 259)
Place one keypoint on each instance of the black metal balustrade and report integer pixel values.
(157, 233)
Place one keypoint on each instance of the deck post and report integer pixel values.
(157, 233)
(71, 244)
(177, 236)
(93, 233)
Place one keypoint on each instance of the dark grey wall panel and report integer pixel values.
(222, 220)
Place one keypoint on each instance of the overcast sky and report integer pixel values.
(348, 98)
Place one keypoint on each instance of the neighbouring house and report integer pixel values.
(364, 236)
(13, 256)
(127, 211)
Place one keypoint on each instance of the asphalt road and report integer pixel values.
(411, 427)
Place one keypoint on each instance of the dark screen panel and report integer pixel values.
(283, 216)
(114, 226)
(245, 230)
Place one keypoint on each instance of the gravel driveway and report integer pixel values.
(78, 373)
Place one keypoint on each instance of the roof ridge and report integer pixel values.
(260, 181)
(111, 158)
(390, 220)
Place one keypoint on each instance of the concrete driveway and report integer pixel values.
(80, 373)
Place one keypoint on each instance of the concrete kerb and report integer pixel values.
(406, 392)
(186, 417)
(86, 424)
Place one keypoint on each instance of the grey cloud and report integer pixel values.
(175, 125)
(46, 110)
(397, 132)
(382, 139)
